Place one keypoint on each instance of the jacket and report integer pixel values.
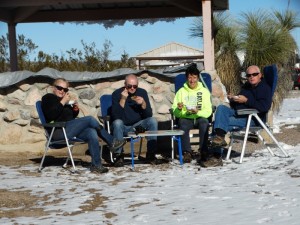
(132, 112)
(54, 111)
(259, 98)
(199, 97)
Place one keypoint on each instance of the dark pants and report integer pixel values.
(186, 125)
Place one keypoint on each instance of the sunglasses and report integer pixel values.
(251, 74)
(129, 86)
(61, 88)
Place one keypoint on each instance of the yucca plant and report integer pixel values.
(266, 41)
(226, 48)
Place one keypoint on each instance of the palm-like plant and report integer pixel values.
(264, 40)
(268, 41)
(226, 46)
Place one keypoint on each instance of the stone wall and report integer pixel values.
(19, 122)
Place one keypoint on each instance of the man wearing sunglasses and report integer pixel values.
(131, 109)
(57, 107)
(254, 94)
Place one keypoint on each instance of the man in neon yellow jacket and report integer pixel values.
(192, 105)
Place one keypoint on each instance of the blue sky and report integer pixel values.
(56, 38)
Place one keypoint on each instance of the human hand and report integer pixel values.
(138, 99)
(193, 111)
(124, 94)
(180, 105)
(232, 97)
(66, 98)
(240, 99)
(75, 105)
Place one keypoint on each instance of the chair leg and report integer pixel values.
(245, 138)
(69, 149)
(46, 149)
(270, 134)
(265, 143)
(230, 147)
(45, 152)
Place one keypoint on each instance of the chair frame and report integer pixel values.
(58, 144)
(236, 134)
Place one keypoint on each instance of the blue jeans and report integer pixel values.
(226, 119)
(120, 130)
(87, 129)
(186, 125)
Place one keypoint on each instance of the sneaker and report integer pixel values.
(118, 159)
(187, 157)
(218, 141)
(98, 169)
(116, 145)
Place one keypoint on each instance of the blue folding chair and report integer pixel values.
(179, 81)
(56, 144)
(106, 103)
(271, 77)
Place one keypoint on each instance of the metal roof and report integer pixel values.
(25, 11)
(172, 50)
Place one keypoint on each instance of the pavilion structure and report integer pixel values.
(13, 12)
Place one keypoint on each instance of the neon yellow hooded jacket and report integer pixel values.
(199, 97)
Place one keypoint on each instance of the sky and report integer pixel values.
(262, 190)
(56, 38)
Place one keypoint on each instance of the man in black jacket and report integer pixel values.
(130, 109)
(255, 94)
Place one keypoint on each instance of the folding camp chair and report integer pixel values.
(179, 81)
(106, 103)
(56, 144)
(271, 77)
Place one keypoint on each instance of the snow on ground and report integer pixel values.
(262, 190)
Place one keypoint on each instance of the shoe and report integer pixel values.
(118, 159)
(151, 158)
(203, 156)
(187, 157)
(116, 145)
(218, 141)
(98, 169)
(211, 162)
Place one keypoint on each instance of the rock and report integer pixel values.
(11, 116)
(10, 134)
(163, 109)
(33, 96)
(87, 94)
(3, 106)
(18, 94)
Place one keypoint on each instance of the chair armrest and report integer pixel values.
(246, 111)
(56, 124)
(104, 118)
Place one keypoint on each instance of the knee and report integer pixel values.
(152, 124)
(117, 124)
(183, 124)
(221, 108)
